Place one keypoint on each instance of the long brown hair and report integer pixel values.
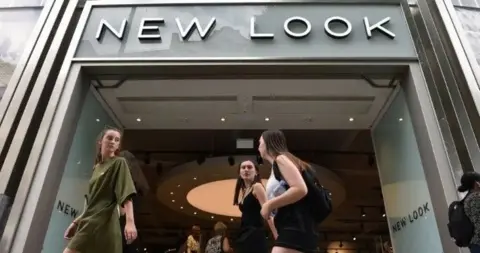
(98, 144)
(241, 184)
(276, 144)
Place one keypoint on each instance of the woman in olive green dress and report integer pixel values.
(111, 185)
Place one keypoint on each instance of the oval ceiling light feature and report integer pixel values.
(221, 204)
(351, 119)
(223, 119)
(139, 120)
(267, 119)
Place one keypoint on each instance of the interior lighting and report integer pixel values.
(362, 212)
(171, 193)
(194, 178)
(194, 213)
(212, 217)
(173, 200)
(351, 119)
(139, 119)
(222, 119)
(98, 120)
(267, 119)
(400, 119)
(181, 207)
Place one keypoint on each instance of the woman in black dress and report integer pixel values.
(249, 196)
(297, 231)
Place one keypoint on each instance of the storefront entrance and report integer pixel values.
(284, 43)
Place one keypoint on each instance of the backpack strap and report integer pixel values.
(276, 171)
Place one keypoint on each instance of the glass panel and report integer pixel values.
(470, 19)
(411, 219)
(21, 3)
(16, 26)
(78, 170)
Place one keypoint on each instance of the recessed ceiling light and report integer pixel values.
(194, 178)
(351, 119)
(181, 207)
(212, 217)
(171, 193)
(400, 119)
(231, 219)
(267, 119)
(98, 120)
(195, 213)
(139, 119)
(173, 200)
(178, 185)
(222, 119)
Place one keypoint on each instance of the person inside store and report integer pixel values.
(111, 185)
(470, 183)
(193, 243)
(294, 222)
(219, 242)
(249, 196)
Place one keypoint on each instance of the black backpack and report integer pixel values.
(460, 227)
(318, 199)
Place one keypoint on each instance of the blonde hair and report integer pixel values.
(220, 228)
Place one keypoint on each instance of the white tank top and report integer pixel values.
(274, 187)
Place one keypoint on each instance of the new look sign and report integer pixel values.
(223, 30)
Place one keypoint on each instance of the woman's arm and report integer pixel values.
(83, 211)
(226, 245)
(261, 195)
(297, 187)
(128, 209)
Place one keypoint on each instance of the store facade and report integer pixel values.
(146, 37)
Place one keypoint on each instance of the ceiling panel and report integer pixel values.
(245, 103)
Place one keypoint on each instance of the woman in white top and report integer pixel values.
(295, 226)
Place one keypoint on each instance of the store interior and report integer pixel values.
(188, 174)
(189, 177)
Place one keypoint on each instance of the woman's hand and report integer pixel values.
(266, 210)
(70, 232)
(275, 235)
(130, 232)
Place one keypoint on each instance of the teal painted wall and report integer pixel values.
(78, 169)
(408, 207)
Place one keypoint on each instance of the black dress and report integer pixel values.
(252, 237)
(295, 225)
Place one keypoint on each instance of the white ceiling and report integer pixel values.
(245, 103)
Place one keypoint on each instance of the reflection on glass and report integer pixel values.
(21, 3)
(16, 26)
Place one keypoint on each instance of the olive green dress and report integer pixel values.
(99, 227)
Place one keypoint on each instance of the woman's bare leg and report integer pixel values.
(67, 250)
(284, 250)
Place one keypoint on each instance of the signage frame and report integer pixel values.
(84, 18)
